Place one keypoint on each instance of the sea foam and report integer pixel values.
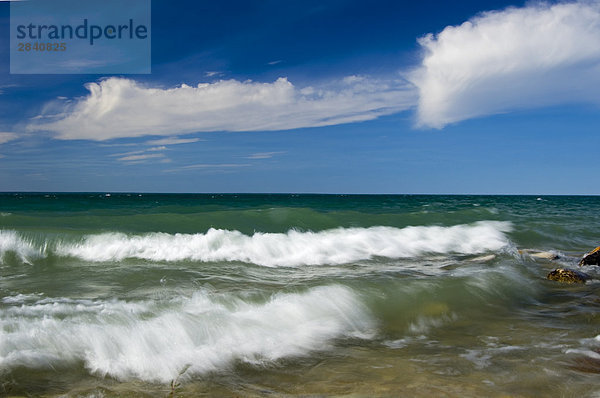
(11, 242)
(155, 341)
(294, 248)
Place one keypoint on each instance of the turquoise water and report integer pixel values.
(336, 295)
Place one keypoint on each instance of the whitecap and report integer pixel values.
(12, 242)
(294, 248)
(155, 341)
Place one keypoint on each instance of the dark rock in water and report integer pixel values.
(591, 258)
(567, 276)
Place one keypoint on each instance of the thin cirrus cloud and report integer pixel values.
(132, 158)
(264, 155)
(120, 107)
(172, 141)
(517, 58)
(142, 155)
(6, 137)
(157, 148)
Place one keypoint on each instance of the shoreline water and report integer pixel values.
(308, 295)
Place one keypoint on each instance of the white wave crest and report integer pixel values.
(11, 242)
(154, 342)
(294, 248)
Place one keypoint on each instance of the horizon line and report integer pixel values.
(284, 193)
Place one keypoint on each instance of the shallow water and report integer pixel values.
(255, 295)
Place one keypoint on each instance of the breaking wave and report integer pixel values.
(23, 249)
(203, 333)
(291, 249)
(294, 248)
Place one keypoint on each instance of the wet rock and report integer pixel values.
(566, 275)
(546, 255)
(539, 254)
(591, 258)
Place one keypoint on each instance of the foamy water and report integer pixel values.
(24, 250)
(253, 295)
(155, 341)
(292, 249)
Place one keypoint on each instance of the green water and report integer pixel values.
(326, 295)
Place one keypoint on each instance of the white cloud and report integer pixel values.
(5, 137)
(513, 59)
(499, 61)
(119, 107)
(172, 141)
(139, 154)
(157, 148)
(2, 87)
(125, 153)
(263, 155)
(213, 74)
(132, 158)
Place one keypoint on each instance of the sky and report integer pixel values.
(337, 96)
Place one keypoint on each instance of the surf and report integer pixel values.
(154, 340)
(292, 249)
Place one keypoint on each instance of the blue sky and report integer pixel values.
(322, 96)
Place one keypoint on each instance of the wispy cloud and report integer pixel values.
(213, 73)
(157, 148)
(513, 59)
(5, 86)
(132, 158)
(118, 107)
(263, 155)
(140, 154)
(121, 154)
(172, 141)
(209, 167)
(6, 137)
